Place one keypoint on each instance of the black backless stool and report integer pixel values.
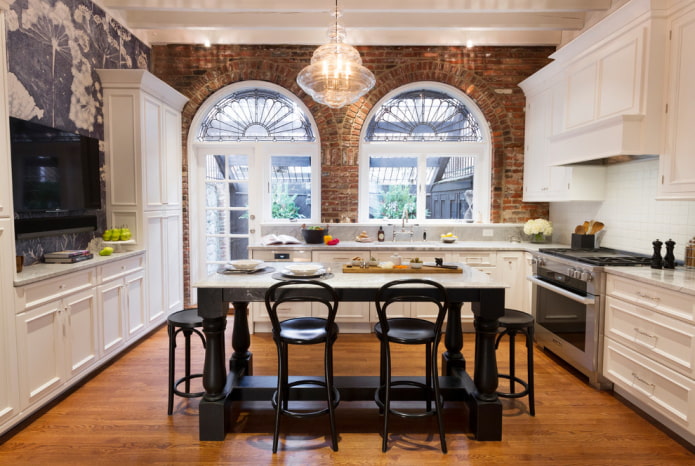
(512, 323)
(303, 331)
(185, 321)
(410, 331)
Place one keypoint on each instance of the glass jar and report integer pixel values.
(690, 255)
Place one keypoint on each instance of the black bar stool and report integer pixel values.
(184, 321)
(410, 331)
(303, 331)
(512, 323)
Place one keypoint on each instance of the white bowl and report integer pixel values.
(245, 264)
(304, 269)
(449, 239)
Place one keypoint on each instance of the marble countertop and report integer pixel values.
(678, 279)
(416, 246)
(41, 271)
(469, 278)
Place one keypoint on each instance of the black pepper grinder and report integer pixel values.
(669, 259)
(656, 257)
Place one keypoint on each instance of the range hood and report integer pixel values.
(609, 102)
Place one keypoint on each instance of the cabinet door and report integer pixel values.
(8, 346)
(112, 319)
(677, 163)
(134, 290)
(171, 157)
(164, 263)
(510, 270)
(81, 331)
(173, 254)
(154, 176)
(347, 312)
(41, 351)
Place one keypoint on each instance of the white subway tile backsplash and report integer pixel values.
(633, 216)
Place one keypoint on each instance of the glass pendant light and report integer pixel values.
(336, 77)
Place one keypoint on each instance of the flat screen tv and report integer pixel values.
(53, 171)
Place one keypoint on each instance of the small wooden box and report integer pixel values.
(583, 241)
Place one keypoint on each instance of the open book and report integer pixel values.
(267, 240)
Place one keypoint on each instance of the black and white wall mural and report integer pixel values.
(54, 48)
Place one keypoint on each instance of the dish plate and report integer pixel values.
(303, 270)
(245, 264)
(289, 274)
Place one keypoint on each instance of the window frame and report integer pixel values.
(482, 151)
(261, 153)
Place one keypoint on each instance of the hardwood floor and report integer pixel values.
(119, 417)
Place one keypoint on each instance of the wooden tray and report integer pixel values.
(428, 270)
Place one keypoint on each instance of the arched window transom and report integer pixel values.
(423, 115)
(255, 115)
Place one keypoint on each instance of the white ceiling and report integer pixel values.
(368, 22)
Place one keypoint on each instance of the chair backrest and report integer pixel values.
(307, 291)
(411, 290)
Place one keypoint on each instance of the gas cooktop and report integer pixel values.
(600, 256)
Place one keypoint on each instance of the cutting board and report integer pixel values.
(424, 270)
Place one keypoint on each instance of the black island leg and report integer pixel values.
(486, 418)
(452, 359)
(213, 310)
(242, 359)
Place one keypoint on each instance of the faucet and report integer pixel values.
(404, 217)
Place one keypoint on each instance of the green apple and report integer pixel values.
(115, 234)
(107, 251)
(108, 234)
(125, 234)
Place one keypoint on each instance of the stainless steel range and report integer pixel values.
(568, 303)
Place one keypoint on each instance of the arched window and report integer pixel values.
(253, 158)
(425, 155)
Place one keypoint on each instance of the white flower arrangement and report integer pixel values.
(538, 226)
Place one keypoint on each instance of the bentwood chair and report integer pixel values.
(410, 331)
(512, 323)
(303, 331)
(187, 322)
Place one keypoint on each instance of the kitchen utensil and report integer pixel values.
(585, 225)
(579, 230)
(596, 227)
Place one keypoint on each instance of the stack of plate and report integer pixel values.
(245, 265)
(303, 271)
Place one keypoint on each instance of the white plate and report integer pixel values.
(301, 270)
(245, 264)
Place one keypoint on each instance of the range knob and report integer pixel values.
(571, 272)
(587, 276)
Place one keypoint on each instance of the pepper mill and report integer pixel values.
(669, 259)
(656, 257)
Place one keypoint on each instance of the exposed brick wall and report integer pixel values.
(488, 75)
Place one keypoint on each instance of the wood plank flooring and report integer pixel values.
(119, 417)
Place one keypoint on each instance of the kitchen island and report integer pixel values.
(216, 291)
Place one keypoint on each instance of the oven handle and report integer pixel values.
(561, 291)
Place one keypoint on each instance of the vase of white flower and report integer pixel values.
(538, 229)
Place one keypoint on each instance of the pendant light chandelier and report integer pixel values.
(336, 77)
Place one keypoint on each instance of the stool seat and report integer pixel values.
(187, 322)
(511, 323)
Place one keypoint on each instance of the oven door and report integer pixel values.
(567, 324)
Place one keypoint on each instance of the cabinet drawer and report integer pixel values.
(342, 257)
(47, 290)
(475, 258)
(671, 303)
(654, 335)
(117, 269)
(667, 392)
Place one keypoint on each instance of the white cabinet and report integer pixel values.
(511, 267)
(677, 163)
(649, 350)
(121, 303)
(544, 181)
(143, 152)
(352, 317)
(9, 400)
(164, 263)
(56, 342)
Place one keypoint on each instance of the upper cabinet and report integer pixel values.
(142, 120)
(544, 181)
(609, 85)
(677, 162)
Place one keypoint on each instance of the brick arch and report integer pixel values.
(501, 131)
